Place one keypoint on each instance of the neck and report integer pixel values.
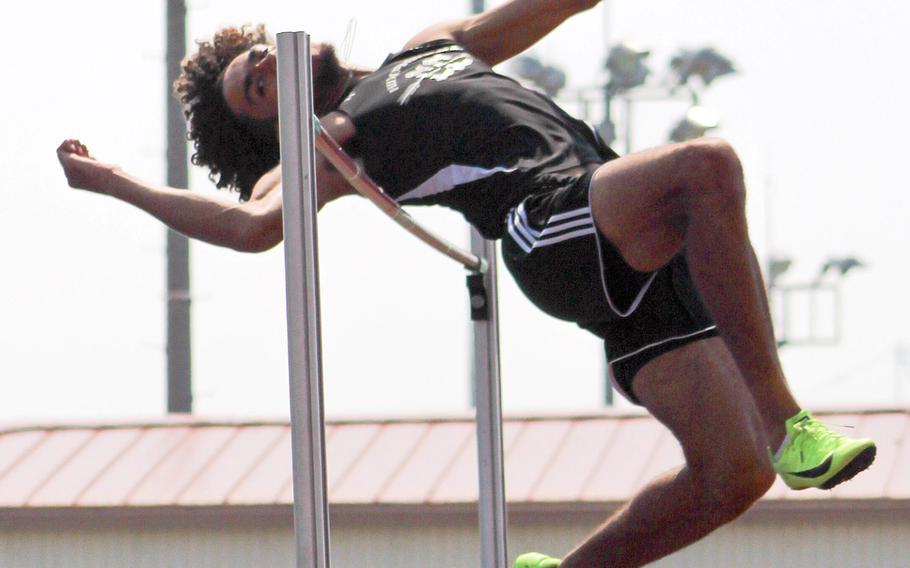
(331, 101)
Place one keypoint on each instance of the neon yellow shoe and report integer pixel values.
(814, 456)
(535, 560)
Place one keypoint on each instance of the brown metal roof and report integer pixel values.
(185, 461)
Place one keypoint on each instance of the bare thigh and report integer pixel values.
(641, 202)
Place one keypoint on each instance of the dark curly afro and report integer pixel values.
(237, 152)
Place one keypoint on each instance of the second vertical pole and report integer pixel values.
(488, 402)
(491, 493)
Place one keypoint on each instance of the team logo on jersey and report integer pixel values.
(438, 65)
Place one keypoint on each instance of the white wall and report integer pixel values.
(396, 541)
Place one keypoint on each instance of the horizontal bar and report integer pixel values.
(359, 180)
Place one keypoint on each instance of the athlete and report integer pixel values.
(649, 251)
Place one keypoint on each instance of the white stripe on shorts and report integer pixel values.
(528, 238)
(518, 238)
(661, 342)
(569, 214)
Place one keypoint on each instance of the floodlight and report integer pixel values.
(551, 80)
(777, 266)
(706, 64)
(547, 78)
(695, 124)
(526, 67)
(626, 66)
(843, 265)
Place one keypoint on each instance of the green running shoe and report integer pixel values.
(814, 456)
(535, 560)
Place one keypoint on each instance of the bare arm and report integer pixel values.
(251, 226)
(505, 30)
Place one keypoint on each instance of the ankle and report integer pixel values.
(776, 435)
(776, 428)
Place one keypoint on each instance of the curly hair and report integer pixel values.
(236, 151)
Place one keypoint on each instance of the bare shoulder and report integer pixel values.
(339, 126)
(266, 185)
(442, 30)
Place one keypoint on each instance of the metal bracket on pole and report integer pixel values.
(491, 495)
(477, 297)
(295, 111)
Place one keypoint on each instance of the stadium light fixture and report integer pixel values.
(705, 63)
(627, 68)
(547, 78)
(842, 265)
(697, 121)
(777, 267)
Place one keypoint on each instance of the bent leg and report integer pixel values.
(691, 196)
(695, 392)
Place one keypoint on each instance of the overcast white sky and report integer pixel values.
(818, 112)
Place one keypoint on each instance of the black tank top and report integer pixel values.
(435, 125)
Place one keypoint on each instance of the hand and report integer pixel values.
(81, 169)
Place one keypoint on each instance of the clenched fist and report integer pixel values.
(81, 169)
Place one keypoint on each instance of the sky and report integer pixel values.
(817, 112)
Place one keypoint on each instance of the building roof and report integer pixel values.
(187, 461)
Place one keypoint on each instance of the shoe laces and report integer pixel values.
(815, 433)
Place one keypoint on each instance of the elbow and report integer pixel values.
(257, 238)
(256, 246)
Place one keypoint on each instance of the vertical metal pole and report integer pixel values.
(491, 500)
(178, 351)
(295, 102)
(491, 488)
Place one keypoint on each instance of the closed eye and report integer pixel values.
(253, 80)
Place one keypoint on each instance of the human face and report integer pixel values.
(250, 85)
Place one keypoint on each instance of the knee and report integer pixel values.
(730, 490)
(714, 175)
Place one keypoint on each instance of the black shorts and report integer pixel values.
(570, 271)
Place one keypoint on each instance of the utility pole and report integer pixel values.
(179, 361)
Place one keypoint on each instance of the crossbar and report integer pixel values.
(359, 180)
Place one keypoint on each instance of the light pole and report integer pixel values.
(179, 353)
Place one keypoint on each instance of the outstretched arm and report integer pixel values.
(507, 29)
(251, 226)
